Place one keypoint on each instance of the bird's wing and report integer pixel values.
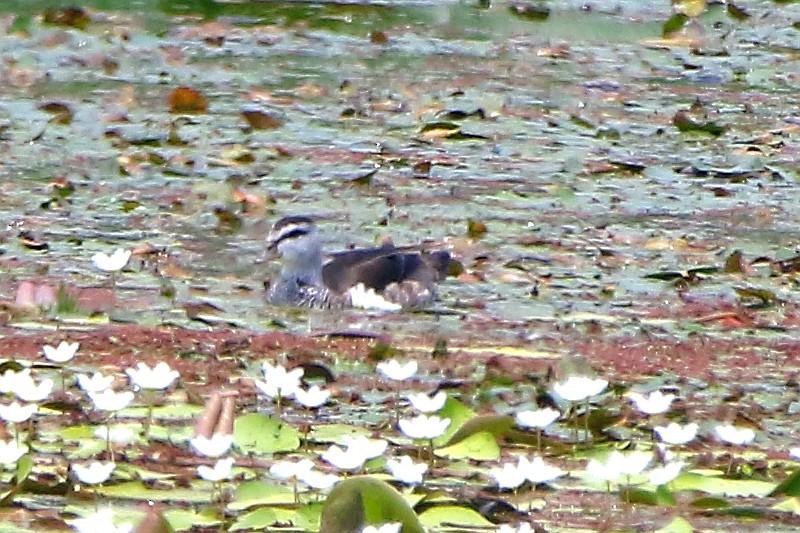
(378, 267)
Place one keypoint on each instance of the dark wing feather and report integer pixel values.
(379, 267)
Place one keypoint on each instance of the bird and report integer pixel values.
(387, 278)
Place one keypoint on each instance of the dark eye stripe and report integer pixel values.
(296, 232)
(290, 220)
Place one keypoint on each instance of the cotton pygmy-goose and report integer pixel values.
(388, 278)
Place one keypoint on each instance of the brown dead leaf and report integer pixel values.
(475, 228)
(310, 91)
(195, 309)
(561, 51)
(72, 17)
(735, 263)
(61, 112)
(600, 167)
(171, 269)
(261, 95)
(388, 106)
(666, 244)
(258, 120)
(378, 37)
(187, 100)
(251, 203)
(422, 169)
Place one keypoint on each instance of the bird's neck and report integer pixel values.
(306, 269)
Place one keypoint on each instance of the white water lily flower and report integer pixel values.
(423, 427)
(62, 353)
(318, 480)
(279, 382)
(101, 521)
(389, 527)
(674, 433)
(23, 386)
(343, 459)
(537, 418)
(313, 397)
(28, 390)
(215, 446)
(537, 471)
(221, 470)
(159, 377)
(96, 383)
(652, 404)
(427, 404)
(618, 464)
(16, 412)
(404, 469)
(392, 369)
(110, 400)
(117, 434)
(664, 474)
(357, 451)
(508, 475)
(795, 453)
(605, 471)
(113, 262)
(290, 469)
(10, 452)
(733, 435)
(369, 448)
(635, 462)
(579, 388)
(94, 473)
(10, 378)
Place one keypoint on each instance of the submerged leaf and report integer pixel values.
(530, 11)
(496, 425)
(673, 24)
(687, 124)
(72, 17)
(359, 501)
(734, 264)
(789, 486)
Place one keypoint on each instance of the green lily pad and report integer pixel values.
(480, 446)
(184, 519)
(438, 517)
(678, 525)
(259, 433)
(255, 493)
(135, 490)
(259, 519)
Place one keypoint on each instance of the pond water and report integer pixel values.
(565, 146)
(615, 170)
